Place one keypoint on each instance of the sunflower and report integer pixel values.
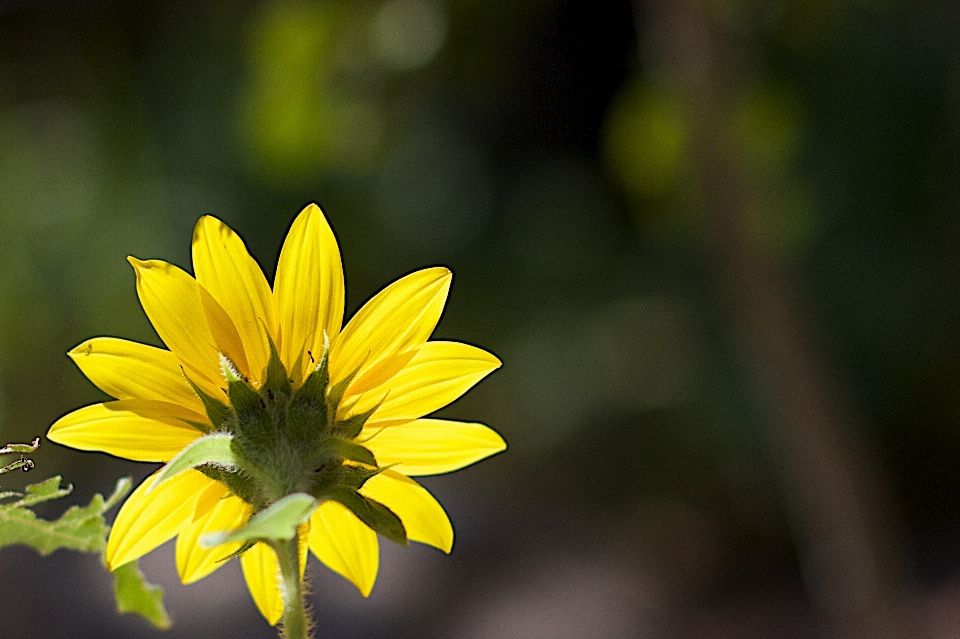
(307, 405)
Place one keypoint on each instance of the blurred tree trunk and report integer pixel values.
(837, 504)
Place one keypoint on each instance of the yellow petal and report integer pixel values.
(433, 446)
(234, 279)
(195, 562)
(137, 429)
(209, 498)
(171, 299)
(345, 544)
(309, 289)
(128, 370)
(390, 328)
(262, 572)
(438, 374)
(224, 331)
(146, 521)
(421, 514)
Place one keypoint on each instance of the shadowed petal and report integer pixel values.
(128, 370)
(234, 279)
(262, 572)
(421, 514)
(195, 562)
(146, 521)
(390, 328)
(309, 288)
(137, 429)
(345, 545)
(433, 446)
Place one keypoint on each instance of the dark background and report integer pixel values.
(715, 243)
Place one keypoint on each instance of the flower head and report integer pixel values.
(299, 404)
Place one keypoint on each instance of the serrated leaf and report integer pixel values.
(46, 490)
(213, 449)
(134, 594)
(278, 521)
(78, 528)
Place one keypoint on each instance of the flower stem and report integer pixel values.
(295, 624)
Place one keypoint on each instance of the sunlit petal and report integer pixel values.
(309, 288)
(171, 299)
(128, 370)
(433, 446)
(262, 572)
(390, 328)
(225, 269)
(146, 521)
(438, 374)
(195, 562)
(421, 514)
(345, 545)
(137, 429)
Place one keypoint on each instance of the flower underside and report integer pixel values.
(287, 440)
(265, 395)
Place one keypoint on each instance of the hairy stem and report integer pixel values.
(295, 624)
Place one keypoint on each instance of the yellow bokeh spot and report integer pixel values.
(645, 139)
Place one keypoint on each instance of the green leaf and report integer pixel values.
(44, 491)
(278, 521)
(78, 528)
(136, 595)
(372, 513)
(214, 449)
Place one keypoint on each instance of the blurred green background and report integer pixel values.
(716, 244)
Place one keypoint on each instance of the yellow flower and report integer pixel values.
(225, 329)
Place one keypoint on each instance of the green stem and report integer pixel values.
(295, 623)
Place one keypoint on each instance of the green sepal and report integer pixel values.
(352, 426)
(356, 476)
(214, 450)
(275, 375)
(335, 395)
(247, 545)
(134, 594)
(254, 423)
(371, 512)
(307, 419)
(82, 529)
(218, 412)
(242, 396)
(239, 483)
(339, 449)
(315, 386)
(279, 521)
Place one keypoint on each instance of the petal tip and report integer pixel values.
(136, 263)
(81, 350)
